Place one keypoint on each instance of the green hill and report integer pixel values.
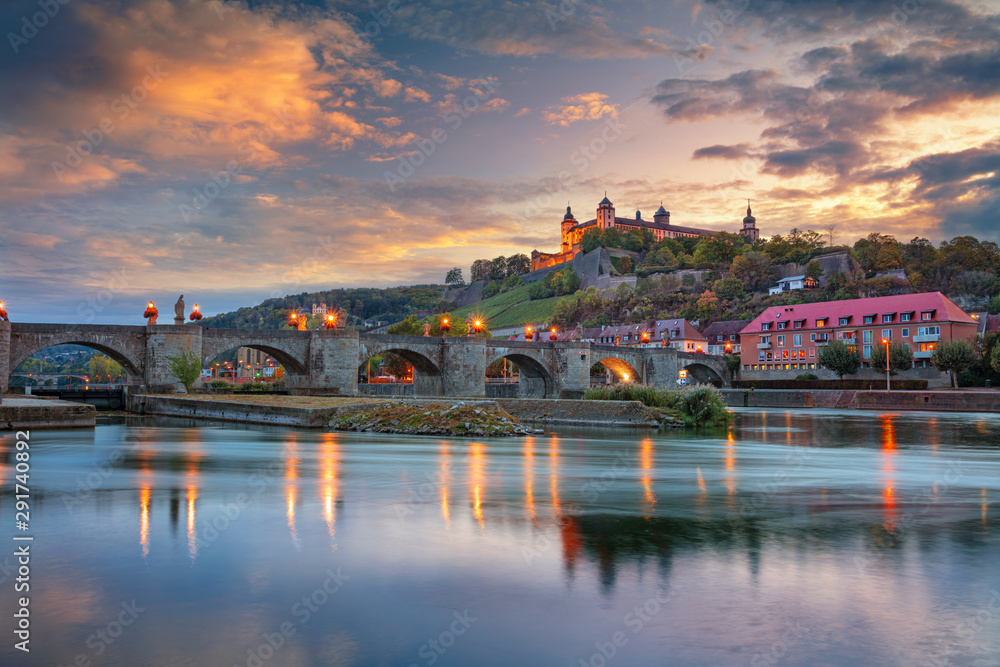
(511, 309)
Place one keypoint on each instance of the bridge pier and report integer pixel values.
(332, 361)
(162, 341)
(572, 370)
(463, 367)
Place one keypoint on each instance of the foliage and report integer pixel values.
(754, 269)
(500, 267)
(840, 358)
(995, 359)
(733, 364)
(900, 357)
(390, 304)
(186, 367)
(591, 239)
(103, 368)
(728, 288)
(220, 384)
(454, 278)
(806, 376)
(953, 357)
(814, 270)
(697, 405)
(491, 289)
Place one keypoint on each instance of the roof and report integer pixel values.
(724, 328)
(605, 200)
(944, 310)
(792, 278)
(655, 329)
(638, 222)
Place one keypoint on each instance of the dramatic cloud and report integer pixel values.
(588, 106)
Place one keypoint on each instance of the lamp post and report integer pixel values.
(885, 341)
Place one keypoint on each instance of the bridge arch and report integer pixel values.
(289, 348)
(25, 347)
(622, 366)
(536, 380)
(702, 373)
(428, 380)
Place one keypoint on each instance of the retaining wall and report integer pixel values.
(36, 413)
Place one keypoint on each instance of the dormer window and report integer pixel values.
(887, 318)
(905, 317)
(765, 326)
(844, 321)
(926, 315)
(870, 319)
(821, 322)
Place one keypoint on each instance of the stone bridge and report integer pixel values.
(327, 361)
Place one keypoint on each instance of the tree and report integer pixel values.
(498, 268)
(900, 358)
(454, 278)
(995, 305)
(814, 270)
(186, 367)
(518, 264)
(102, 368)
(611, 238)
(480, 270)
(953, 357)
(410, 326)
(733, 364)
(591, 240)
(995, 359)
(490, 290)
(729, 288)
(754, 269)
(840, 358)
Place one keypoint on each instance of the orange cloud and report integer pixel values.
(588, 106)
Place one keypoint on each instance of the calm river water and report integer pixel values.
(818, 538)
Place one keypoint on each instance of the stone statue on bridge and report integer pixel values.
(427, 329)
(179, 310)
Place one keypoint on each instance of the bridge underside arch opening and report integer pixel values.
(406, 367)
(702, 374)
(619, 370)
(49, 366)
(255, 363)
(525, 377)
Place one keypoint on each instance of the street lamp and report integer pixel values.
(885, 341)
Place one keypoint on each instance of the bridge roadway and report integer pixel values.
(327, 361)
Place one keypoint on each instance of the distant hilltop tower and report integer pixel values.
(750, 226)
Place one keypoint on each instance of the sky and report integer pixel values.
(235, 151)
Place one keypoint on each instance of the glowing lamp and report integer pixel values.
(331, 321)
(445, 327)
(553, 335)
(528, 335)
(150, 310)
(477, 326)
(3, 312)
(195, 313)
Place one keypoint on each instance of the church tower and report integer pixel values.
(605, 213)
(662, 216)
(568, 223)
(750, 226)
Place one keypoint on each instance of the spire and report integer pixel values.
(569, 213)
(749, 221)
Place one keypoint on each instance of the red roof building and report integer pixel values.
(787, 338)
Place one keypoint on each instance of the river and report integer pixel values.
(814, 538)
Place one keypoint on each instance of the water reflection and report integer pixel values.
(858, 520)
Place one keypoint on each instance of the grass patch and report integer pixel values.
(430, 419)
(695, 405)
(511, 309)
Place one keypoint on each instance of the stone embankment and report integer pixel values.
(934, 401)
(452, 418)
(37, 413)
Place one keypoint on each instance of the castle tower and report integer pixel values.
(605, 213)
(568, 222)
(750, 226)
(662, 216)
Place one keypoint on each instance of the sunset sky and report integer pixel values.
(239, 151)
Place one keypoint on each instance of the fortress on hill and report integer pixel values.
(573, 231)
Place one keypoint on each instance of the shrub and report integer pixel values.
(806, 376)
(220, 384)
(697, 405)
(186, 367)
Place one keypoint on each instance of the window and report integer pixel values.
(821, 322)
(869, 319)
(926, 347)
(784, 354)
(812, 337)
(906, 333)
(765, 326)
(906, 317)
(732, 336)
(812, 352)
(866, 336)
(928, 331)
(781, 341)
(887, 318)
(760, 355)
(782, 325)
(844, 321)
(886, 334)
(797, 340)
(927, 316)
(765, 339)
(802, 354)
(867, 351)
(799, 324)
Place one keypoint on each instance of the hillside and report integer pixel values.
(390, 304)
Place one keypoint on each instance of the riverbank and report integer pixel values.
(450, 418)
(318, 412)
(25, 413)
(934, 401)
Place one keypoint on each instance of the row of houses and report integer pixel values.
(784, 341)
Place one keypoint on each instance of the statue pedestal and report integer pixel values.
(179, 321)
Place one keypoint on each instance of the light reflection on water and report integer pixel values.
(872, 536)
